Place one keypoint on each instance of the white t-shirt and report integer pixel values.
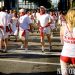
(44, 19)
(68, 48)
(24, 22)
(4, 23)
(37, 15)
(3, 18)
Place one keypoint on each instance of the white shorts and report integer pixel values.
(46, 30)
(6, 35)
(25, 36)
(3, 34)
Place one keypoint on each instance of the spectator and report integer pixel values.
(15, 25)
(67, 33)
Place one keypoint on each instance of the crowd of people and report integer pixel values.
(21, 23)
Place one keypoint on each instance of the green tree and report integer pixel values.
(45, 3)
(73, 3)
(59, 5)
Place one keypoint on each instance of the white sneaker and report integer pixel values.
(22, 46)
(26, 49)
(42, 49)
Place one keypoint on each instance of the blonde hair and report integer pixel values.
(70, 17)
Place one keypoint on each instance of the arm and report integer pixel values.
(31, 27)
(50, 21)
(62, 34)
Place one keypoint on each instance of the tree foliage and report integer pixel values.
(73, 3)
(59, 5)
(45, 3)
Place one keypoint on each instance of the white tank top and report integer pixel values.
(69, 48)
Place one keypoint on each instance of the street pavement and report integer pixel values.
(17, 61)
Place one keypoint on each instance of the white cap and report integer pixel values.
(21, 10)
(43, 7)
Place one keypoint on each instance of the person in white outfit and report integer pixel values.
(67, 35)
(3, 33)
(61, 19)
(15, 25)
(44, 27)
(25, 25)
(53, 18)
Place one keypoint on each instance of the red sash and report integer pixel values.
(41, 30)
(24, 33)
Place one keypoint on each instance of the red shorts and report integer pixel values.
(68, 59)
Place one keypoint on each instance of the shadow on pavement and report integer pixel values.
(40, 73)
(26, 56)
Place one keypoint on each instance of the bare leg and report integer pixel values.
(26, 40)
(6, 40)
(64, 67)
(5, 43)
(0, 43)
(26, 44)
(22, 45)
(42, 42)
(49, 40)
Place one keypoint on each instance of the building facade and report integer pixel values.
(16, 4)
(26, 4)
